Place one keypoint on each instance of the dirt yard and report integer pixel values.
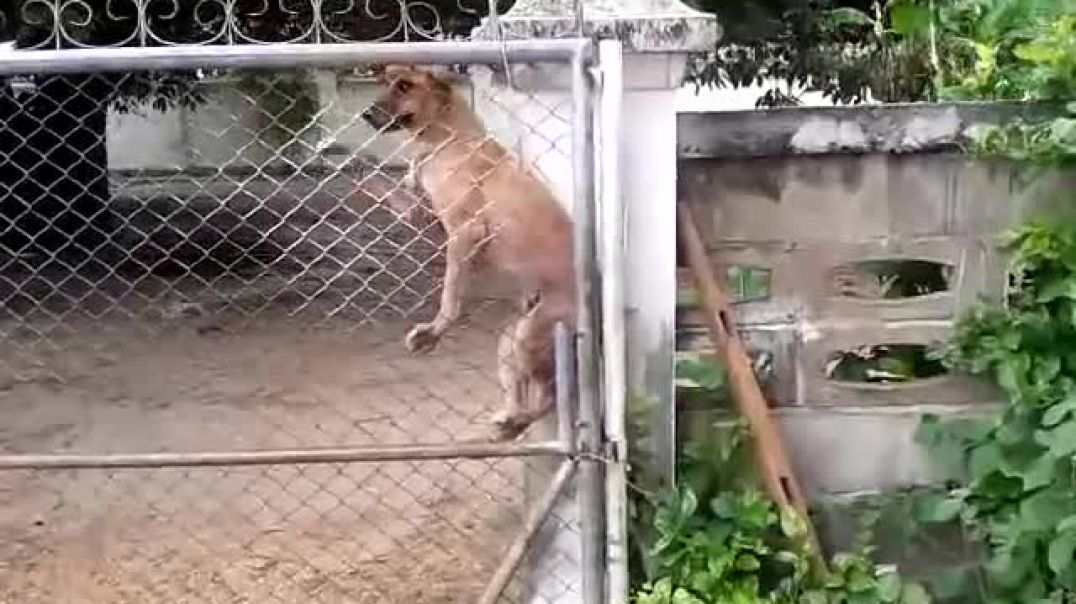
(416, 533)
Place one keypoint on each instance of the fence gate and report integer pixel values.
(209, 263)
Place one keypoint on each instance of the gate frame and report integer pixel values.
(582, 445)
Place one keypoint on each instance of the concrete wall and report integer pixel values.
(231, 129)
(803, 192)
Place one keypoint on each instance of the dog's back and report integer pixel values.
(528, 233)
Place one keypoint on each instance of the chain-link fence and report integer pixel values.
(214, 283)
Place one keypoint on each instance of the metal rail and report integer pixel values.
(472, 450)
(284, 56)
(533, 523)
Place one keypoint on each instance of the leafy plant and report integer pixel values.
(1012, 476)
(1023, 50)
(714, 538)
(1016, 488)
(849, 50)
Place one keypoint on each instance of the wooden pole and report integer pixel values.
(777, 475)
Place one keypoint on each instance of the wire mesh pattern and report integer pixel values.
(231, 261)
(424, 533)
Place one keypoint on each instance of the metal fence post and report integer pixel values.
(591, 481)
(611, 231)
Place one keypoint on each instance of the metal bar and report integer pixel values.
(590, 500)
(565, 384)
(285, 56)
(531, 525)
(611, 228)
(472, 450)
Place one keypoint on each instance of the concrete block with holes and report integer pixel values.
(871, 233)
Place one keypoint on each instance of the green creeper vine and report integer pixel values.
(1012, 476)
(1015, 487)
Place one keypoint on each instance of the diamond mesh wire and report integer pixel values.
(234, 264)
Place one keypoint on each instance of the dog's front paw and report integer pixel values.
(422, 338)
(508, 426)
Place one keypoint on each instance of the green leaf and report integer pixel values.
(1045, 509)
(814, 597)
(724, 506)
(701, 372)
(1061, 551)
(792, 526)
(889, 587)
(1040, 472)
(1038, 53)
(984, 459)
(862, 597)
(1015, 566)
(860, 582)
(1057, 413)
(1061, 441)
(689, 502)
(1068, 524)
(1012, 374)
(909, 19)
(747, 563)
(914, 593)
(952, 585)
(1054, 290)
(1046, 370)
(938, 508)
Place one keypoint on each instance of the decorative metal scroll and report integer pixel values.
(48, 24)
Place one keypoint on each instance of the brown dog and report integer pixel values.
(494, 209)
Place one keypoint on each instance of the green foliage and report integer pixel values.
(1009, 49)
(1012, 476)
(1016, 475)
(849, 50)
(714, 538)
(1022, 50)
(900, 51)
(1048, 142)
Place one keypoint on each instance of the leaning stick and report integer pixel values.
(777, 475)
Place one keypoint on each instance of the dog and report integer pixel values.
(494, 210)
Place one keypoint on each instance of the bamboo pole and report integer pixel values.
(776, 471)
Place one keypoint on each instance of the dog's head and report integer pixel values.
(412, 99)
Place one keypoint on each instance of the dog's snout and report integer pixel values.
(377, 116)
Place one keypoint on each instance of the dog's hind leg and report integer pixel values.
(513, 382)
(527, 366)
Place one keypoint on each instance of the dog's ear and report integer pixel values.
(390, 73)
(441, 85)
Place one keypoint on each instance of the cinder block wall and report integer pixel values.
(801, 193)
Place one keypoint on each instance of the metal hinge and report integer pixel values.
(614, 451)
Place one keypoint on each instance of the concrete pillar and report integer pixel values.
(657, 36)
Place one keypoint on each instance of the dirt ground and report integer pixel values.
(421, 533)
